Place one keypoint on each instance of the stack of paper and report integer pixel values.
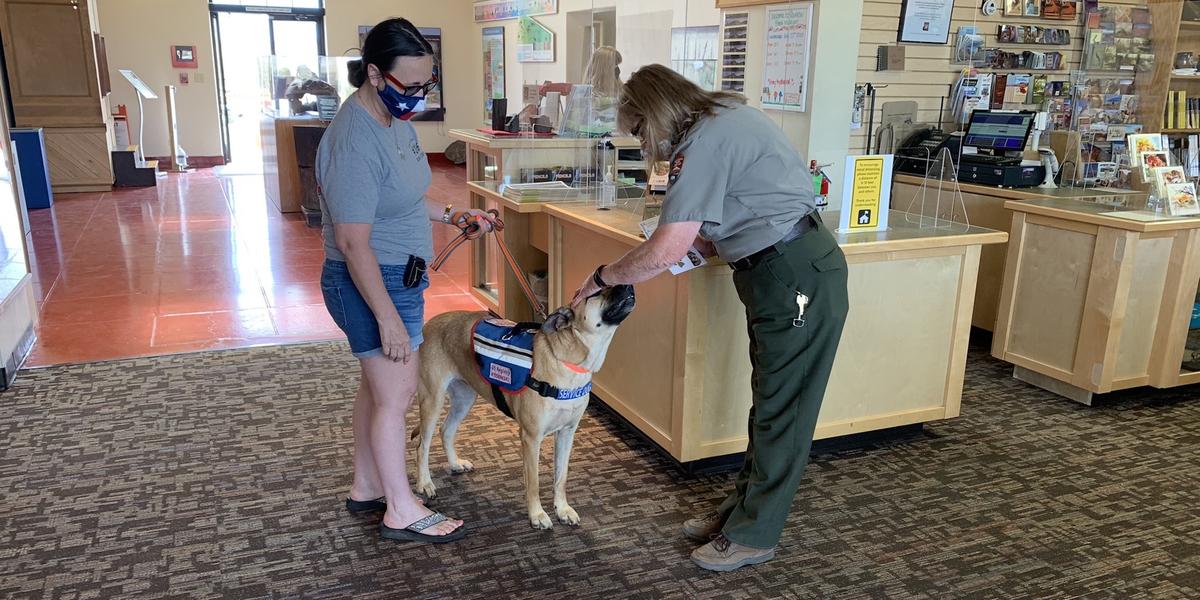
(539, 192)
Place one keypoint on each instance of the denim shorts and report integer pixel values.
(352, 314)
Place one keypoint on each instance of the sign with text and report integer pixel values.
(785, 62)
(866, 193)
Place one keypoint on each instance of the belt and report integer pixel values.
(803, 226)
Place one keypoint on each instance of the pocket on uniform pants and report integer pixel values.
(833, 261)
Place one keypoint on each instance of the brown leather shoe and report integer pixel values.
(702, 529)
(721, 554)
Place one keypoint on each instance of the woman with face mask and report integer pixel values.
(373, 176)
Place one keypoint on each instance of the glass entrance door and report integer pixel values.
(261, 50)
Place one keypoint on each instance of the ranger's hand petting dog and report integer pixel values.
(549, 397)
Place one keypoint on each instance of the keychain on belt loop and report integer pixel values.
(801, 304)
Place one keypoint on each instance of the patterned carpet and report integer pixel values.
(221, 475)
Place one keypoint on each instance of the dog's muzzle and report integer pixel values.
(619, 301)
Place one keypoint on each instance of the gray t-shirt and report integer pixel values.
(737, 173)
(377, 175)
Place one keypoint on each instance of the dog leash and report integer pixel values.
(470, 228)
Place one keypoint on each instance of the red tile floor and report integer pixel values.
(201, 262)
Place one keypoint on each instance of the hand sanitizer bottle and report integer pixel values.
(608, 191)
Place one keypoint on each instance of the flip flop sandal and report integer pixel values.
(412, 533)
(377, 505)
(364, 506)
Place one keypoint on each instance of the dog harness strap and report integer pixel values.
(548, 391)
(501, 401)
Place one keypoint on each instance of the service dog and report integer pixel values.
(566, 350)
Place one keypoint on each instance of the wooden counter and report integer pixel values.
(679, 370)
(1097, 299)
(985, 208)
(281, 172)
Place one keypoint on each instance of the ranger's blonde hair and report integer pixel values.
(663, 105)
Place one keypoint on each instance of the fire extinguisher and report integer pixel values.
(820, 184)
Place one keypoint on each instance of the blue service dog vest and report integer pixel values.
(504, 352)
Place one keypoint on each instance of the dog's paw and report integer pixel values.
(540, 520)
(426, 489)
(567, 515)
(463, 466)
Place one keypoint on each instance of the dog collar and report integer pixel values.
(574, 367)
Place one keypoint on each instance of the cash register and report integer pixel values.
(998, 139)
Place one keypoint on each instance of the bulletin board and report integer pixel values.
(785, 62)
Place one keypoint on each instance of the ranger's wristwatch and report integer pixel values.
(446, 214)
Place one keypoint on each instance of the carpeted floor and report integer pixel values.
(222, 475)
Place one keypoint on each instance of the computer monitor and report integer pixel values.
(999, 131)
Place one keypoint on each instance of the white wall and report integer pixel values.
(138, 35)
(462, 46)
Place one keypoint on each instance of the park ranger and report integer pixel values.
(739, 191)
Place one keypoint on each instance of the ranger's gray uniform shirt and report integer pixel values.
(737, 173)
(376, 175)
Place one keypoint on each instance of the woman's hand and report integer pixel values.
(707, 249)
(585, 291)
(394, 335)
(486, 216)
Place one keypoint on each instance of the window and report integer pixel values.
(694, 54)
(272, 3)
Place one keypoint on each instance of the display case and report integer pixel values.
(498, 167)
(1099, 298)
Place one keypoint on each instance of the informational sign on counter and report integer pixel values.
(866, 193)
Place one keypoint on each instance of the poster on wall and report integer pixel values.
(535, 42)
(493, 67)
(500, 10)
(925, 21)
(435, 107)
(785, 62)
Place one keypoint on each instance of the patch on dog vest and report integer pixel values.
(504, 354)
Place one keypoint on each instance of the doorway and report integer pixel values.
(260, 50)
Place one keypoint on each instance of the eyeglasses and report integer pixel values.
(636, 131)
(414, 90)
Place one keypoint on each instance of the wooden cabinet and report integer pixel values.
(55, 83)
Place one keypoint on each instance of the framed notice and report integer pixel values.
(785, 62)
(493, 66)
(925, 21)
(866, 194)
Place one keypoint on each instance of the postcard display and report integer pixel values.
(1104, 101)
(1029, 72)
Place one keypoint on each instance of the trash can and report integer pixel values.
(35, 169)
(307, 140)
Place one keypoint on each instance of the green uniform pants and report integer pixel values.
(791, 362)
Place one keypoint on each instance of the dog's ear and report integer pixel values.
(558, 320)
